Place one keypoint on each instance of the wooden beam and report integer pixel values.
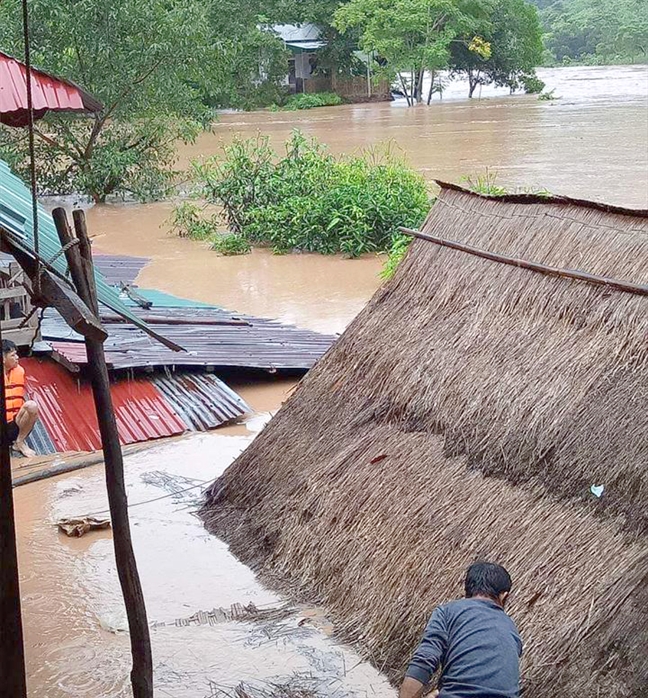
(58, 295)
(12, 654)
(575, 274)
(109, 318)
(82, 271)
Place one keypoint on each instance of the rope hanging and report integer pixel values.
(32, 151)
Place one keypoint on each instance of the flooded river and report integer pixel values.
(592, 143)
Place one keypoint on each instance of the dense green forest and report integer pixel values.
(595, 31)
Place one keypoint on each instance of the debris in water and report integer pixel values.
(597, 490)
(295, 689)
(236, 612)
(75, 528)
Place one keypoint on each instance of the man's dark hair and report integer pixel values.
(487, 579)
(7, 346)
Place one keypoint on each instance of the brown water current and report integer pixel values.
(591, 143)
(74, 617)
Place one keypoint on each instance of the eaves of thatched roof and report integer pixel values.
(465, 414)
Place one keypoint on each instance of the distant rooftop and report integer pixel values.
(304, 37)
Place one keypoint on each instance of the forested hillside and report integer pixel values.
(595, 31)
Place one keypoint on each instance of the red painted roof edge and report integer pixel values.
(90, 103)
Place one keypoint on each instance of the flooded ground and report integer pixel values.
(591, 143)
(313, 291)
(74, 616)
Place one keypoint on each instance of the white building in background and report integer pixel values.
(303, 41)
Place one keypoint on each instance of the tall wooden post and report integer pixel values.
(12, 653)
(81, 269)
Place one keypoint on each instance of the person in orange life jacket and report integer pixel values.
(21, 413)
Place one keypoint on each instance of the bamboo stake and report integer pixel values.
(12, 651)
(615, 284)
(81, 269)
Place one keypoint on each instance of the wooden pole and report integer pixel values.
(80, 264)
(12, 653)
(615, 284)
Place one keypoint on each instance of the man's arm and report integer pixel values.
(411, 688)
(427, 657)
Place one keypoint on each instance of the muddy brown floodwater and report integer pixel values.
(591, 143)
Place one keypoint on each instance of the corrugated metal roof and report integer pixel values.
(39, 440)
(146, 408)
(253, 343)
(48, 93)
(298, 32)
(118, 269)
(16, 219)
(68, 414)
(202, 400)
(160, 299)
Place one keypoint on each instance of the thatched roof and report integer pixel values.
(465, 414)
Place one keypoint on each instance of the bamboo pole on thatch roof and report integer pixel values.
(465, 414)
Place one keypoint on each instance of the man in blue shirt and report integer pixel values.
(473, 641)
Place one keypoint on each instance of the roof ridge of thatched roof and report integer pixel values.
(524, 198)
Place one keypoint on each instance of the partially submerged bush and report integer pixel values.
(532, 84)
(230, 244)
(548, 96)
(311, 101)
(311, 200)
(188, 221)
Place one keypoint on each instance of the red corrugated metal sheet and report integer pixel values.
(68, 413)
(48, 92)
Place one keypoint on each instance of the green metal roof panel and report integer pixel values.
(160, 299)
(16, 219)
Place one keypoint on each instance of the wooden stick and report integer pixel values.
(617, 285)
(12, 652)
(109, 318)
(81, 269)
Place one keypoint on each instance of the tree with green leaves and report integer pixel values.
(253, 60)
(513, 32)
(149, 64)
(409, 36)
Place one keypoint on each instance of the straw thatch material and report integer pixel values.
(465, 414)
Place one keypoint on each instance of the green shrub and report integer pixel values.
(532, 84)
(396, 253)
(310, 101)
(485, 184)
(188, 221)
(310, 200)
(230, 244)
(548, 96)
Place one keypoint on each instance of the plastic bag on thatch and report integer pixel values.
(75, 528)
